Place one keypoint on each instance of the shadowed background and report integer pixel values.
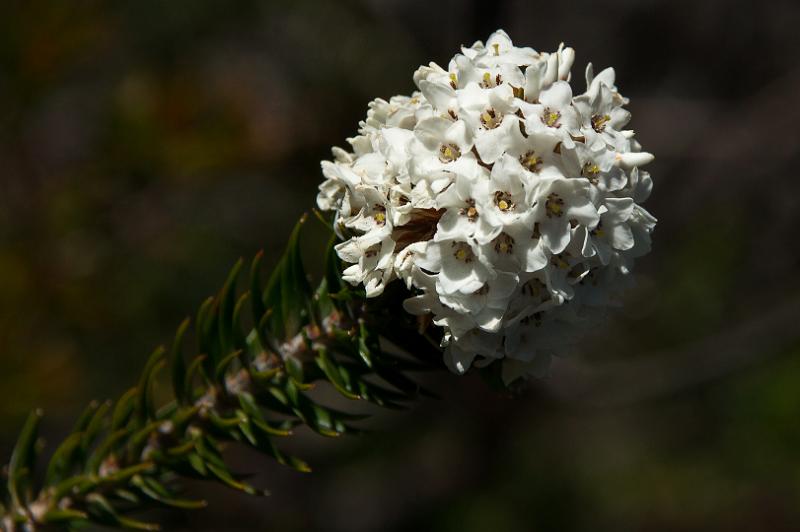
(145, 145)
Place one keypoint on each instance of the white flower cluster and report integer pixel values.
(509, 206)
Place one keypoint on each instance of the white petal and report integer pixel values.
(584, 212)
(431, 258)
(567, 57)
(633, 159)
(622, 237)
(459, 134)
(431, 131)
(533, 81)
(536, 258)
(555, 234)
(442, 97)
(558, 96)
(489, 319)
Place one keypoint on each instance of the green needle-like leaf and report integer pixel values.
(23, 458)
(248, 387)
(178, 369)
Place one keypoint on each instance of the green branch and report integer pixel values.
(244, 384)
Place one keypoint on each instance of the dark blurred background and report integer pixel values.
(145, 145)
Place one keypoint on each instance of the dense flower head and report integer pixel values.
(507, 204)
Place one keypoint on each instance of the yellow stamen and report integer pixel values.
(504, 243)
(554, 206)
(449, 153)
(551, 118)
(591, 171)
(599, 122)
(490, 119)
(462, 251)
(503, 200)
(531, 162)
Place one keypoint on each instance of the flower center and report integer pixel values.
(490, 118)
(591, 171)
(463, 252)
(554, 206)
(598, 231)
(380, 214)
(496, 47)
(487, 82)
(449, 153)
(453, 80)
(531, 162)
(599, 122)
(550, 118)
(504, 243)
(469, 211)
(504, 201)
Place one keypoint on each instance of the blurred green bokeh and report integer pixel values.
(145, 145)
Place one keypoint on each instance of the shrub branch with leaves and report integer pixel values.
(246, 386)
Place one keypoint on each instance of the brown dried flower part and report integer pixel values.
(420, 228)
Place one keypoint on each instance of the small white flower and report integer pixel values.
(507, 204)
(516, 249)
(460, 269)
(462, 217)
(597, 164)
(502, 199)
(485, 306)
(613, 231)
(553, 112)
(558, 204)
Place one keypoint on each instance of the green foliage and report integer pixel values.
(248, 385)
